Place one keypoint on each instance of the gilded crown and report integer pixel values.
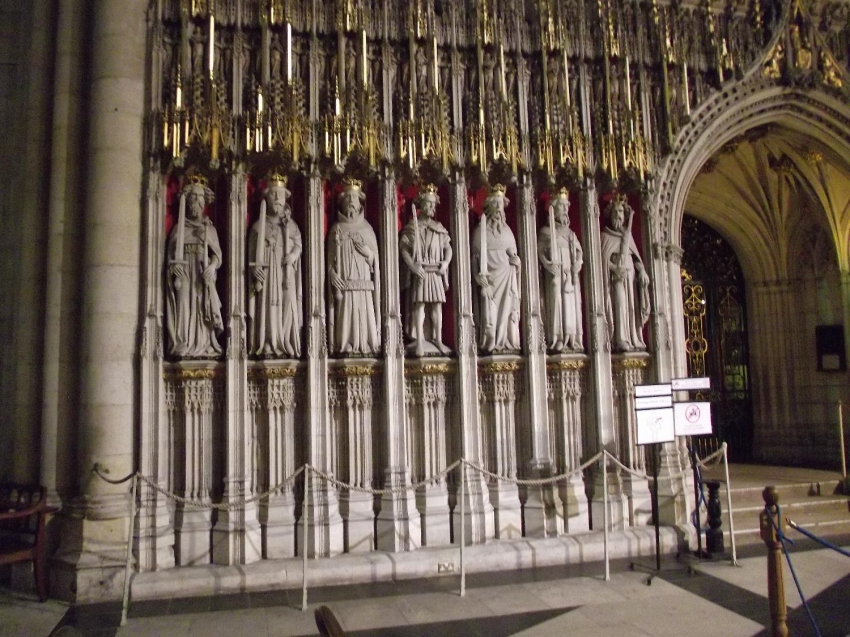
(498, 189)
(351, 184)
(429, 189)
(194, 178)
(562, 193)
(276, 178)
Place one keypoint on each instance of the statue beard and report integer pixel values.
(496, 223)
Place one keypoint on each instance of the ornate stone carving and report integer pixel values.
(426, 252)
(625, 281)
(193, 307)
(274, 292)
(560, 255)
(354, 280)
(496, 267)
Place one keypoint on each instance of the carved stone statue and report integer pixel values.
(274, 293)
(193, 307)
(354, 281)
(496, 264)
(426, 251)
(561, 258)
(625, 281)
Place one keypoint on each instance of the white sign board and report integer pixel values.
(693, 419)
(653, 402)
(691, 384)
(641, 391)
(654, 425)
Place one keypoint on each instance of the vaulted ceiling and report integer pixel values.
(776, 193)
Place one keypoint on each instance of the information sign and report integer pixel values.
(693, 419)
(654, 425)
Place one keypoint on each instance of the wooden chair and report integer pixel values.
(327, 623)
(23, 510)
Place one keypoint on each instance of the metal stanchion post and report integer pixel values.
(462, 526)
(775, 585)
(605, 514)
(128, 563)
(841, 441)
(304, 537)
(729, 505)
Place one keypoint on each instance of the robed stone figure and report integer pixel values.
(496, 267)
(193, 257)
(560, 255)
(354, 280)
(275, 293)
(426, 252)
(626, 284)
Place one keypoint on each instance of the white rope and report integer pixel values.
(637, 474)
(400, 489)
(236, 504)
(232, 505)
(534, 481)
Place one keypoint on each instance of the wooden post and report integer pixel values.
(775, 585)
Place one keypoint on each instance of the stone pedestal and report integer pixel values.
(355, 391)
(427, 401)
(499, 396)
(629, 370)
(565, 376)
(275, 395)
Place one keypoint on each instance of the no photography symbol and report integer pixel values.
(692, 413)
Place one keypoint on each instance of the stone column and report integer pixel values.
(427, 400)
(193, 409)
(324, 524)
(500, 393)
(398, 523)
(600, 432)
(675, 494)
(23, 371)
(154, 530)
(355, 399)
(630, 370)
(237, 536)
(566, 381)
(479, 512)
(61, 323)
(772, 370)
(95, 536)
(274, 393)
(542, 503)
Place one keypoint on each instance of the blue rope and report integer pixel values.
(782, 538)
(814, 537)
(701, 500)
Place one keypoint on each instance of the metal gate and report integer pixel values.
(716, 336)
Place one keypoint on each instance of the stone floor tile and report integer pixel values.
(368, 614)
(503, 600)
(185, 605)
(290, 622)
(173, 626)
(437, 607)
(250, 623)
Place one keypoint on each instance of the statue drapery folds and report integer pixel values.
(496, 267)
(425, 248)
(193, 257)
(560, 255)
(626, 283)
(275, 289)
(354, 280)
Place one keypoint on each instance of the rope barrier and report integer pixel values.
(783, 539)
(814, 537)
(533, 481)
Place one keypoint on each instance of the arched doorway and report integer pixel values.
(715, 311)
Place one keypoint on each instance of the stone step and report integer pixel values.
(811, 505)
(787, 492)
